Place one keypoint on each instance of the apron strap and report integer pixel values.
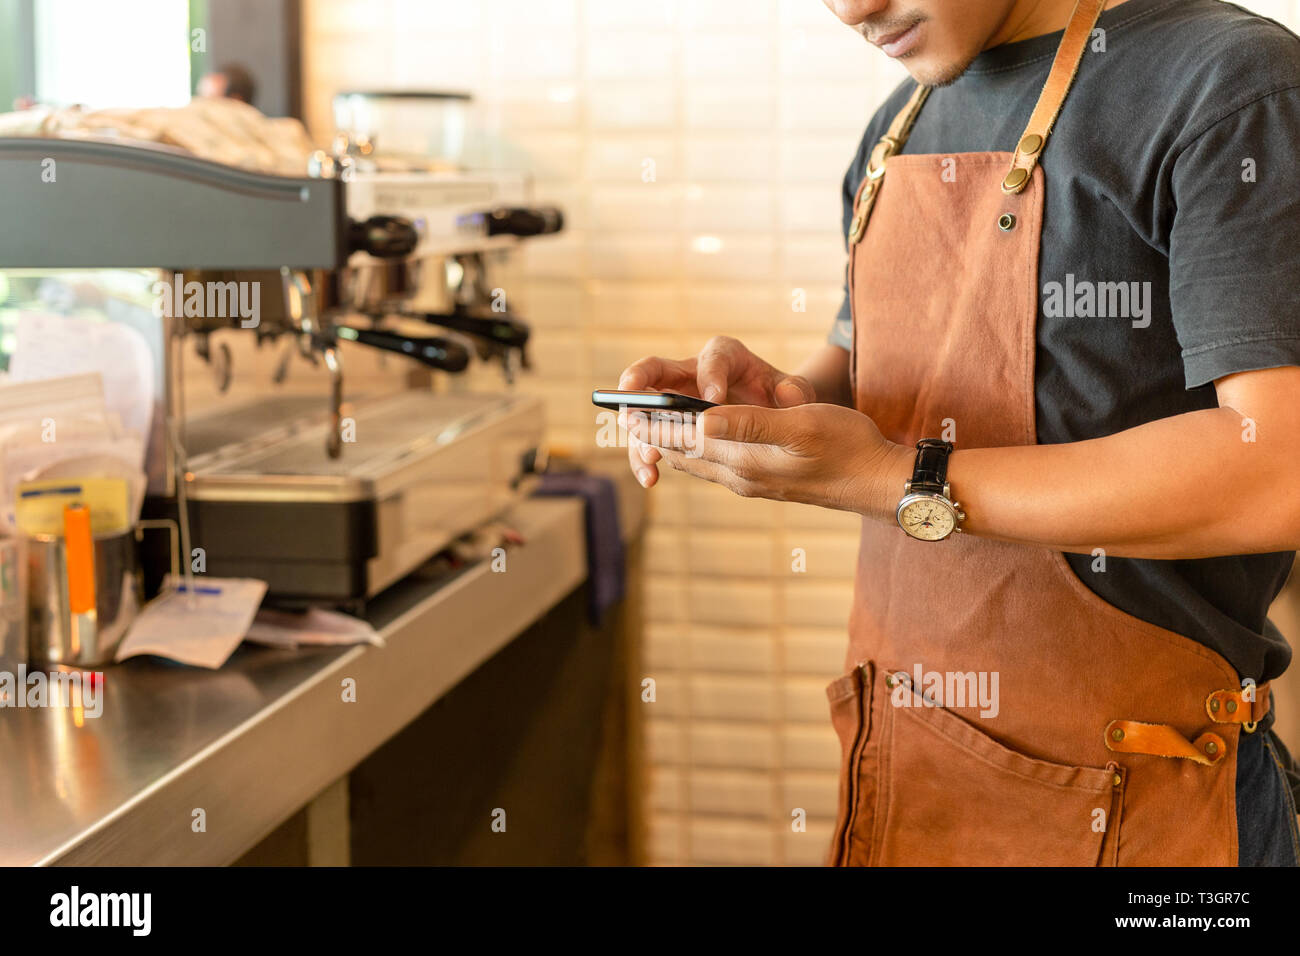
(887, 146)
(1064, 69)
(1162, 740)
(1246, 707)
(1243, 707)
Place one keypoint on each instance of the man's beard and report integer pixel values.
(946, 76)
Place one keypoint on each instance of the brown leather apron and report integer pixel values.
(1114, 741)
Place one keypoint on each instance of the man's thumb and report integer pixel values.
(794, 390)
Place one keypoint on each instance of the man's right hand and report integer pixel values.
(725, 372)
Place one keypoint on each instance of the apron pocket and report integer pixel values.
(954, 796)
(850, 705)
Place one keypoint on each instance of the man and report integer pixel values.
(232, 82)
(1073, 302)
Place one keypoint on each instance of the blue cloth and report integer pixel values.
(1266, 812)
(606, 562)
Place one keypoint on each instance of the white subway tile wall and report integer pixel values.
(697, 147)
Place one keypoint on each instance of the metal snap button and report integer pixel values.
(1214, 705)
(889, 680)
(1211, 747)
(1117, 734)
(1232, 706)
(1006, 222)
(1116, 780)
(856, 227)
(1015, 179)
(1031, 144)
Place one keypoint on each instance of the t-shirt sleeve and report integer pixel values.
(1234, 246)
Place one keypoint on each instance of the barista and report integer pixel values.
(1072, 303)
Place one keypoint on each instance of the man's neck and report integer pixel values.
(1035, 18)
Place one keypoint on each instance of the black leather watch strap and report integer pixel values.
(931, 471)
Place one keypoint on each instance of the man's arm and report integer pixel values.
(827, 370)
(1212, 482)
(1205, 483)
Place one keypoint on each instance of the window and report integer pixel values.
(124, 53)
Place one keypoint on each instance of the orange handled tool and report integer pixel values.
(79, 548)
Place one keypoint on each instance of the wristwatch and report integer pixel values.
(927, 511)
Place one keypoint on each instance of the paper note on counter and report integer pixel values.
(56, 346)
(63, 428)
(201, 629)
(316, 626)
(39, 507)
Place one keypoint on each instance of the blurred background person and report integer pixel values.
(232, 82)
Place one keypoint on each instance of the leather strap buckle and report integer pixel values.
(1065, 67)
(885, 147)
(1246, 706)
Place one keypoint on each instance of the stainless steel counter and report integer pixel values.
(251, 743)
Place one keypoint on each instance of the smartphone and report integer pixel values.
(648, 401)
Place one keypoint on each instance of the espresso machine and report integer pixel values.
(329, 496)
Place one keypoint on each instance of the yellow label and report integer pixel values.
(38, 505)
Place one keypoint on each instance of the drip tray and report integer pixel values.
(417, 471)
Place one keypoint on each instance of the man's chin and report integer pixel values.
(930, 71)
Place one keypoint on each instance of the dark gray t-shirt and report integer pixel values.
(1175, 162)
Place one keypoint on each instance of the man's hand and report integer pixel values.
(822, 455)
(724, 371)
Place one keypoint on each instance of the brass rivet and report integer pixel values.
(1031, 144)
(855, 228)
(1116, 780)
(1211, 747)
(1006, 222)
(1214, 705)
(1015, 179)
(1232, 706)
(1117, 734)
(889, 680)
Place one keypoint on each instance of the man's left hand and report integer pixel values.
(816, 454)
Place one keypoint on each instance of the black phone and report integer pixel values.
(648, 401)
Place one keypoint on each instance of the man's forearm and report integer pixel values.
(1190, 486)
(827, 370)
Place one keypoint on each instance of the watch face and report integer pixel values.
(927, 518)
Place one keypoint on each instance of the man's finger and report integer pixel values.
(793, 390)
(750, 424)
(659, 373)
(645, 471)
(701, 468)
(662, 429)
(713, 368)
(649, 453)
